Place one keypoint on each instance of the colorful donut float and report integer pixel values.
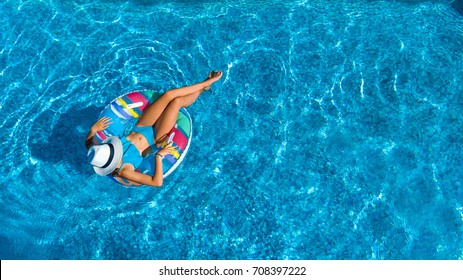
(125, 111)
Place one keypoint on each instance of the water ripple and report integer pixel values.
(333, 134)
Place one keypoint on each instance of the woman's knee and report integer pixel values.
(176, 102)
(170, 94)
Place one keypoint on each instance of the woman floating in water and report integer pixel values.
(120, 157)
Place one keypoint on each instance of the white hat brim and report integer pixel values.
(116, 142)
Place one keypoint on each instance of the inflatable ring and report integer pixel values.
(125, 111)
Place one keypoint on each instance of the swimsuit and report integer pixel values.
(146, 131)
(130, 153)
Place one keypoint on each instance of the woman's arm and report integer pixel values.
(101, 124)
(143, 179)
(157, 179)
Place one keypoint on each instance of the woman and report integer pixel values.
(122, 156)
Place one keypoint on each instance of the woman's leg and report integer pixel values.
(169, 117)
(154, 111)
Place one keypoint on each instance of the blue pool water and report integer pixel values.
(336, 132)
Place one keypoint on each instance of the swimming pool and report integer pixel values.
(334, 134)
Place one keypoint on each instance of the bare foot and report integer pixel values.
(213, 77)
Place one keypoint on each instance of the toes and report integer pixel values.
(214, 74)
(218, 74)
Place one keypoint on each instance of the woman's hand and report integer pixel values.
(101, 124)
(167, 150)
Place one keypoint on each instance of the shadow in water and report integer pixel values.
(458, 6)
(67, 140)
(455, 4)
